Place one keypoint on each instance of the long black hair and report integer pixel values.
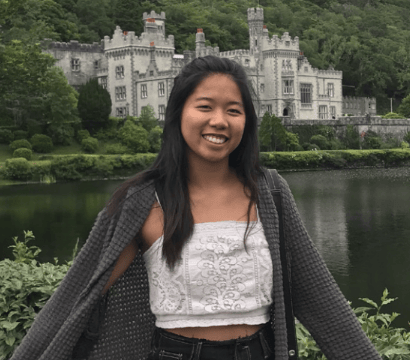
(170, 169)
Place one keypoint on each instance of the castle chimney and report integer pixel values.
(200, 43)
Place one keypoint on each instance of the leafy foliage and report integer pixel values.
(41, 143)
(23, 153)
(135, 137)
(17, 144)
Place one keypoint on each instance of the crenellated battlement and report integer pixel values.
(123, 38)
(354, 98)
(238, 52)
(153, 15)
(74, 45)
(255, 14)
(285, 42)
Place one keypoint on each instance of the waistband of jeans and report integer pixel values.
(266, 330)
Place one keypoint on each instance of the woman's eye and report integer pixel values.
(204, 106)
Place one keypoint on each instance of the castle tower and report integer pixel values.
(200, 43)
(255, 23)
(154, 23)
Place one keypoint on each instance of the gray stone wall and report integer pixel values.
(385, 128)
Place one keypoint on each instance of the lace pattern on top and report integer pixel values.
(216, 282)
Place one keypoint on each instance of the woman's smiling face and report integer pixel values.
(214, 108)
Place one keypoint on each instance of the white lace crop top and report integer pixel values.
(216, 282)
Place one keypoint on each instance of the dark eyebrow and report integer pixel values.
(210, 99)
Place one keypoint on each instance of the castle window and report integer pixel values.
(96, 64)
(323, 112)
(330, 90)
(161, 112)
(103, 81)
(287, 43)
(288, 86)
(306, 93)
(119, 71)
(270, 109)
(247, 62)
(151, 73)
(121, 112)
(75, 64)
(262, 87)
(120, 93)
(306, 69)
(161, 89)
(144, 93)
(333, 112)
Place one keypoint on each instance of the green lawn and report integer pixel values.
(74, 148)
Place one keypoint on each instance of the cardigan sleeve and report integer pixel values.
(318, 302)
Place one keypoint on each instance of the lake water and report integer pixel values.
(358, 219)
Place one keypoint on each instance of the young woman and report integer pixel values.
(188, 278)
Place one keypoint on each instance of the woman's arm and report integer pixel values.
(124, 261)
(318, 302)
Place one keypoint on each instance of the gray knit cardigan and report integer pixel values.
(129, 323)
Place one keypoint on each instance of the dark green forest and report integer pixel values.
(369, 40)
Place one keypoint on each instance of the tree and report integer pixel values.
(404, 107)
(147, 118)
(271, 131)
(94, 105)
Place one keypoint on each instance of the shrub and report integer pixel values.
(20, 134)
(407, 137)
(372, 142)
(26, 287)
(82, 134)
(89, 145)
(135, 137)
(404, 145)
(18, 144)
(41, 143)
(106, 134)
(6, 136)
(321, 141)
(17, 169)
(23, 153)
(116, 149)
(61, 134)
(393, 115)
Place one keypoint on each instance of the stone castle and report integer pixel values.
(139, 71)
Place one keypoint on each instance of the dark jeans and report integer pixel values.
(168, 346)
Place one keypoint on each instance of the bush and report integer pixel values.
(404, 145)
(89, 145)
(407, 137)
(116, 149)
(61, 134)
(393, 115)
(26, 286)
(23, 153)
(135, 137)
(6, 136)
(336, 144)
(20, 134)
(321, 141)
(106, 134)
(82, 134)
(41, 143)
(372, 140)
(18, 144)
(17, 169)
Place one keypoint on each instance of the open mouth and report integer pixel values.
(214, 140)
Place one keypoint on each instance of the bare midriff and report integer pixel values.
(217, 333)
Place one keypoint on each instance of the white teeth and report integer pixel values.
(215, 140)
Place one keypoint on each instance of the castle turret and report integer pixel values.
(200, 43)
(255, 23)
(154, 23)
